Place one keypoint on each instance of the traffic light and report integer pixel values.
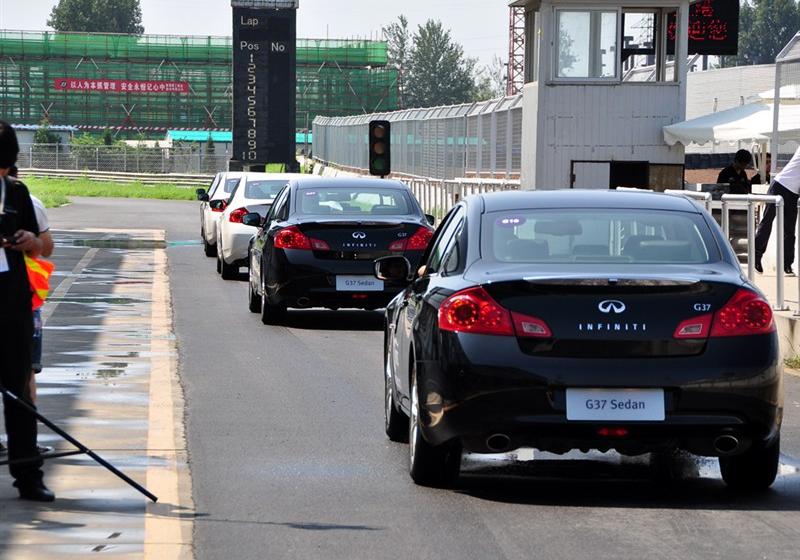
(380, 153)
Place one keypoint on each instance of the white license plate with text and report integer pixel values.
(358, 284)
(616, 405)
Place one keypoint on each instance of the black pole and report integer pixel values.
(83, 449)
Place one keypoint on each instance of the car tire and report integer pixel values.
(395, 422)
(755, 469)
(436, 466)
(219, 264)
(209, 249)
(254, 300)
(228, 271)
(271, 314)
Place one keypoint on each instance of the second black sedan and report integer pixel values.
(581, 320)
(318, 244)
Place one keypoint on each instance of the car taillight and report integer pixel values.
(237, 216)
(417, 242)
(292, 238)
(745, 314)
(475, 311)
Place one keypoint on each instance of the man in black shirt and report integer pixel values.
(17, 238)
(735, 176)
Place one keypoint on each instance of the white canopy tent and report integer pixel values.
(749, 123)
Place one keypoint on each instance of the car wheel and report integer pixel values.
(395, 422)
(209, 249)
(219, 264)
(755, 469)
(429, 465)
(254, 300)
(271, 314)
(228, 271)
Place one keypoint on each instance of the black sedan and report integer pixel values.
(581, 320)
(318, 245)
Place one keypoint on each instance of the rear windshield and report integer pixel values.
(354, 201)
(263, 189)
(597, 235)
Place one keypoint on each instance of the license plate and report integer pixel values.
(617, 405)
(358, 284)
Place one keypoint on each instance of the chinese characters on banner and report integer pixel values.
(120, 86)
(713, 28)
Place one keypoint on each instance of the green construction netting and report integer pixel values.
(334, 77)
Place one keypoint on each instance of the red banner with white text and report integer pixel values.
(120, 86)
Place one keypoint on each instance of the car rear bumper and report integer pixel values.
(236, 243)
(301, 281)
(523, 398)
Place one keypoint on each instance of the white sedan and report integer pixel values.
(212, 205)
(254, 194)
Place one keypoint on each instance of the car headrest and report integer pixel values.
(526, 249)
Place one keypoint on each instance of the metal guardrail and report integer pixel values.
(438, 196)
(179, 180)
(749, 201)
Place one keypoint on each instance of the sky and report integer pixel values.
(480, 25)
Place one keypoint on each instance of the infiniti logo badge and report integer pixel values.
(612, 306)
(359, 235)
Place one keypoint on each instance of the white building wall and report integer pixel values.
(601, 123)
(716, 90)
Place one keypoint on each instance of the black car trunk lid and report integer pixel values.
(619, 317)
(358, 240)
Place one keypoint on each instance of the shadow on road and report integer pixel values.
(588, 483)
(342, 320)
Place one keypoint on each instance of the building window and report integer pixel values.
(586, 44)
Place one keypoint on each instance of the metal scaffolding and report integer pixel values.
(152, 83)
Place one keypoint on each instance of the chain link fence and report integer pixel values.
(122, 159)
(473, 140)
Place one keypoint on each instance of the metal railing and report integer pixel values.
(438, 196)
(192, 160)
(749, 201)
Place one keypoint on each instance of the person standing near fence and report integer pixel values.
(19, 231)
(787, 186)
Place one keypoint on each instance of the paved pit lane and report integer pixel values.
(108, 347)
(288, 457)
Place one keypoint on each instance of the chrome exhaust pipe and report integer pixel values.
(498, 443)
(726, 444)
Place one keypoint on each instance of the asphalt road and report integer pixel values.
(289, 459)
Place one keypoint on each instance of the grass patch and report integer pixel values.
(792, 363)
(56, 192)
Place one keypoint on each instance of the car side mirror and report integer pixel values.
(431, 219)
(253, 219)
(218, 205)
(394, 268)
(202, 195)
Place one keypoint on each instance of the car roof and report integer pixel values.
(327, 182)
(576, 198)
(252, 176)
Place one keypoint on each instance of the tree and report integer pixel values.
(97, 16)
(399, 42)
(490, 80)
(765, 26)
(440, 74)
(44, 135)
